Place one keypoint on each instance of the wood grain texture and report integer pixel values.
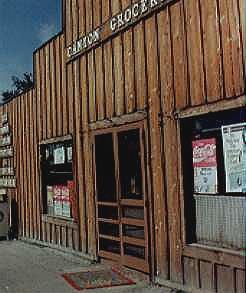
(232, 47)
(194, 51)
(64, 89)
(241, 7)
(58, 92)
(191, 272)
(166, 62)
(179, 56)
(225, 279)
(53, 89)
(240, 281)
(207, 276)
(155, 141)
(140, 66)
(212, 50)
(80, 190)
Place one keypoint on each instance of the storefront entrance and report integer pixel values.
(122, 226)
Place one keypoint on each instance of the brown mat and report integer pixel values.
(97, 279)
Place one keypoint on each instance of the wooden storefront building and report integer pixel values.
(120, 95)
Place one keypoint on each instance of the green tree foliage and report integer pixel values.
(20, 85)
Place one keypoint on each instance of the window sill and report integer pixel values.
(58, 220)
(58, 139)
(218, 255)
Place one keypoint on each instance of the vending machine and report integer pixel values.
(4, 217)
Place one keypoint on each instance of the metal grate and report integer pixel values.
(220, 220)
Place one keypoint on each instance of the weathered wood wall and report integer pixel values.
(36, 116)
(187, 55)
(181, 58)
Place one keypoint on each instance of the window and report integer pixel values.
(106, 185)
(214, 178)
(130, 170)
(57, 180)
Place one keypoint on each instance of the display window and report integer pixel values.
(213, 150)
(57, 180)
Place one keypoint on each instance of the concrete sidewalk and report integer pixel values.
(26, 268)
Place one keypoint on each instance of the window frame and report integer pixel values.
(65, 140)
(183, 189)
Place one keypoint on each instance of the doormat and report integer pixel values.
(97, 279)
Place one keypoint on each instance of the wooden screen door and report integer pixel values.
(122, 226)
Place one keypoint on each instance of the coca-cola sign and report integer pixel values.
(205, 165)
(204, 153)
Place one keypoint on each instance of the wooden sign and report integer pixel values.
(7, 152)
(117, 23)
(7, 171)
(5, 141)
(8, 182)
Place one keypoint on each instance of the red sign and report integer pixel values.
(204, 153)
(205, 166)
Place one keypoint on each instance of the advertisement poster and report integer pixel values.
(234, 147)
(66, 204)
(205, 166)
(57, 190)
(59, 156)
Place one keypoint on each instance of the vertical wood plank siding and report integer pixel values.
(187, 55)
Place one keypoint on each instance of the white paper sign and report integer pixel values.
(59, 155)
(234, 147)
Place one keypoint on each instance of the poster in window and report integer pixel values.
(57, 190)
(66, 204)
(234, 148)
(59, 155)
(205, 166)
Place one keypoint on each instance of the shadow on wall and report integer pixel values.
(13, 229)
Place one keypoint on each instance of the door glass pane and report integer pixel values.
(134, 250)
(130, 164)
(109, 245)
(133, 231)
(109, 229)
(108, 212)
(105, 168)
(133, 212)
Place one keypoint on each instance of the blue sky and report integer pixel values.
(24, 26)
